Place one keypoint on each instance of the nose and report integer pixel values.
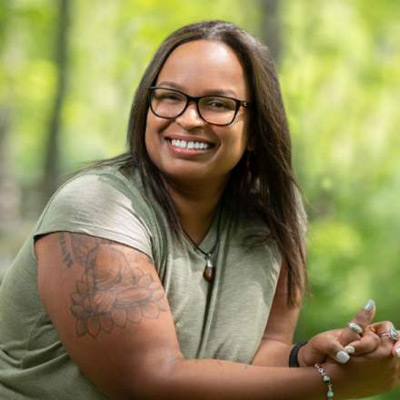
(190, 118)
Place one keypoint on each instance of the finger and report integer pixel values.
(334, 349)
(389, 337)
(396, 349)
(369, 342)
(383, 328)
(359, 324)
(340, 354)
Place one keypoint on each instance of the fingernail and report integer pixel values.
(355, 327)
(342, 357)
(398, 352)
(350, 349)
(370, 305)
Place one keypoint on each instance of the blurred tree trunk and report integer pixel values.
(9, 191)
(271, 27)
(10, 196)
(51, 173)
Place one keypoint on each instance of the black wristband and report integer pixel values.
(293, 356)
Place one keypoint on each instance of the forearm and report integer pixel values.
(272, 354)
(224, 380)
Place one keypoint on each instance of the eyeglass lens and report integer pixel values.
(213, 109)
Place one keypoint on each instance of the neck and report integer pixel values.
(196, 207)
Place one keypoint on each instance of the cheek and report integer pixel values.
(153, 128)
(238, 137)
(152, 137)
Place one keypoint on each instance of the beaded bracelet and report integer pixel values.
(327, 380)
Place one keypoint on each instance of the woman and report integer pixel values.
(176, 271)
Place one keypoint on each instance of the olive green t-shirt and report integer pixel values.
(224, 319)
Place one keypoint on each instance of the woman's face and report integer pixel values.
(199, 68)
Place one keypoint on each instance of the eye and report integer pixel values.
(168, 96)
(218, 104)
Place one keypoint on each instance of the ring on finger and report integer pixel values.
(392, 335)
(353, 326)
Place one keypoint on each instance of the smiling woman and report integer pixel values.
(210, 68)
(177, 270)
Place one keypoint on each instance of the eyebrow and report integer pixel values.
(217, 92)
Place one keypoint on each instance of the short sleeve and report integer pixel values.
(98, 206)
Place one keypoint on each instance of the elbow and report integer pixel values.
(151, 382)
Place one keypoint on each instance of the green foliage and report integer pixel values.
(340, 79)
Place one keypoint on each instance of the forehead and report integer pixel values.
(204, 66)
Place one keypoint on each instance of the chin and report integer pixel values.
(187, 176)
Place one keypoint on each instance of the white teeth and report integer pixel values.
(183, 144)
(204, 146)
(179, 143)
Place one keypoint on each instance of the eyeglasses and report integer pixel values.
(215, 110)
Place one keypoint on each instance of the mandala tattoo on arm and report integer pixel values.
(113, 291)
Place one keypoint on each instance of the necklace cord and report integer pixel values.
(209, 270)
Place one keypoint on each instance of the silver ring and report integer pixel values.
(353, 326)
(392, 335)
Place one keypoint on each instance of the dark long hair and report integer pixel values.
(264, 175)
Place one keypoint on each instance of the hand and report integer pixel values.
(358, 338)
(370, 339)
(334, 344)
(375, 364)
(373, 334)
(368, 374)
(321, 347)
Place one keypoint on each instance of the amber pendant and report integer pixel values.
(209, 270)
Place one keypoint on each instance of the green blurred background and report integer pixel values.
(68, 70)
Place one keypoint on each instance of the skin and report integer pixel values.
(197, 179)
(109, 307)
(200, 68)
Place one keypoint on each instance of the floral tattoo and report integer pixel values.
(113, 290)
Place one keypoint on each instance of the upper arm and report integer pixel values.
(283, 317)
(278, 335)
(109, 308)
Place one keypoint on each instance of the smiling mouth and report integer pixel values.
(190, 145)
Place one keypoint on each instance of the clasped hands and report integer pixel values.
(364, 353)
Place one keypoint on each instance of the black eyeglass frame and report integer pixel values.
(196, 99)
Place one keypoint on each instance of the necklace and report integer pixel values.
(209, 270)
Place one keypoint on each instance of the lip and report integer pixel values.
(187, 152)
(188, 139)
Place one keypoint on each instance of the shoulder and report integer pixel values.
(102, 180)
(98, 190)
(102, 202)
